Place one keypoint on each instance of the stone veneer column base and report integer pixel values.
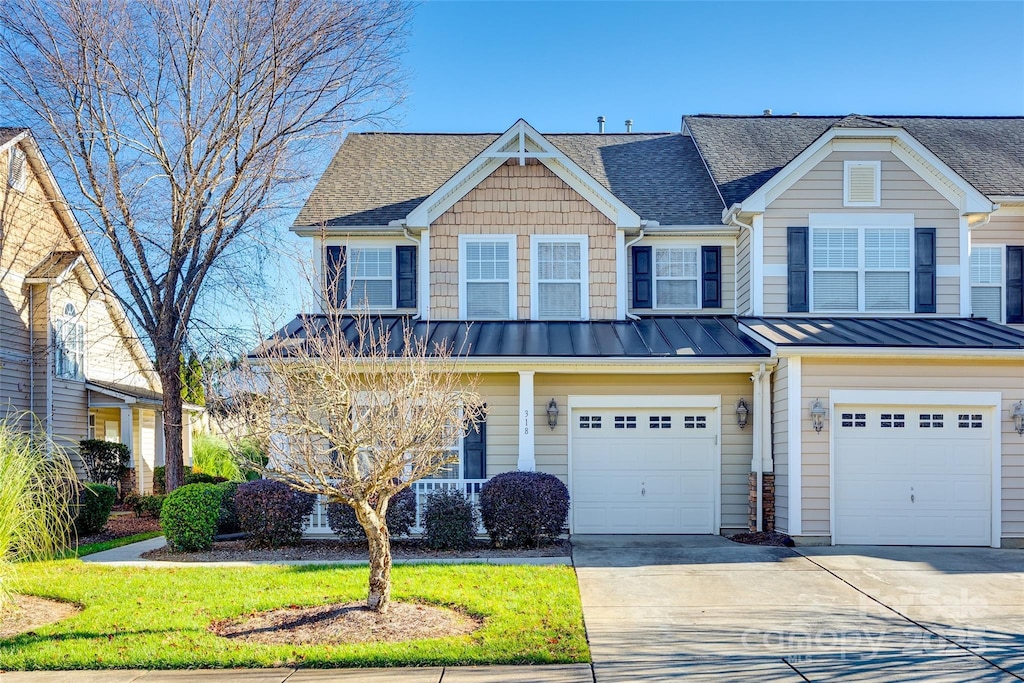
(767, 501)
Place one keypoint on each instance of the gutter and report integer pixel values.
(625, 250)
(419, 279)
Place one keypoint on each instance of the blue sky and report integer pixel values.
(478, 66)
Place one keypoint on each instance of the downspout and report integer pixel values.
(630, 243)
(408, 235)
(31, 350)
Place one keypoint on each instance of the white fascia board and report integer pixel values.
(346, 230)
(494, 155)
(695, 230)
(897, 353)
(674, 365)
(15, 140)
(933, 170)
(644, 401)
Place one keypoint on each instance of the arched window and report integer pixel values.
(69, 343)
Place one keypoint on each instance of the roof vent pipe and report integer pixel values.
(767, 112)
(600, 124)
(629, 125)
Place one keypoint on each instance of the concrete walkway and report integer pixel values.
(131, 556)
(569, 673)
(659, 608)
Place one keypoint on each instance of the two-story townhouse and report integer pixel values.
(68, 352)
(753, 322)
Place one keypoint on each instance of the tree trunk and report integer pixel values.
(169, 368)
(379, 597)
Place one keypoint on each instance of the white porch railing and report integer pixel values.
(316, 524)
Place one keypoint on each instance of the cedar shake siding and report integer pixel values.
(522, 201)
(902, 191)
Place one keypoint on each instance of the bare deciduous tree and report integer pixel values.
(185, 126)
(356, 411)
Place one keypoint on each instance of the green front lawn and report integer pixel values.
(158, 618)
(90, 548)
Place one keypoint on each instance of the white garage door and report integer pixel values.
(912, 475)
(645, 471)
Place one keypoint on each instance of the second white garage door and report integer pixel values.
(912, 475)
(645, 471)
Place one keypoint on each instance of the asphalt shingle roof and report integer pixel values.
(53, 265)
(937, 333)
(7, 134)
(744, 152)
(379, 177)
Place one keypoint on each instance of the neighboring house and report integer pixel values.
(68, 352)
(830, 306)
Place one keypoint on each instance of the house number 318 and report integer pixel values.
(526, 422)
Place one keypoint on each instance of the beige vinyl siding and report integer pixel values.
(1006, 227)
(822, 375)
(743, 272)
(31, 228)
(108, 356)
(522, 201)
(15, 351)
(501, 393)
(728, 279)
(821, 191)
(552, 446)
(780, 443)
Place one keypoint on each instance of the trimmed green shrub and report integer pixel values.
(272, 513)
(400, 518)
(105, 461)
(523, 509)
(95, 501)
(227, 521)
(449, 520)
(189, 517)
(194, 477)
(144, 506)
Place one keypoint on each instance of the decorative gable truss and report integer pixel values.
(522, 142)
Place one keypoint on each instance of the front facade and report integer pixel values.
(68, 353)
(770, 322)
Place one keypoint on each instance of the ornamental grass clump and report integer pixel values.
(38, 486)
(523, 509)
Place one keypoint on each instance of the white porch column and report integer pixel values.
(186, 438)
(126, 439)
(527, 457)
(159, 448)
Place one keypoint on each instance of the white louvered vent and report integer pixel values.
(17, 174)
(862, 183)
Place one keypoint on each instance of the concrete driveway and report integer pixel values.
(657, 608)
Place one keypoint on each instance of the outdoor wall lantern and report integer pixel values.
(552, 414)
(818, 413)
(1018, 417)
(741, 413)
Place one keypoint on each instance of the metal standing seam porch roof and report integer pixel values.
(660, 337)
(929, 333)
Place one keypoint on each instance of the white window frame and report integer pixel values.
(877, 166)
(75, 324)
(21, 184)
(698, 278)
(861, 224)
(1002, 279)
(583, 241)
(350, 260)
(513, 272)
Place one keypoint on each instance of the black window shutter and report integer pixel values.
(798, 282)
(334, 275)
(924, 270)
(1015, 285)
(711, 273)
(406, 257)
(474, 452)
(643, 269)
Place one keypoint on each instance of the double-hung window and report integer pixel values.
(487, 282)
(371, 277)
(987, 283)
(559, 280)
(676, 277)
(69, 343)
(865, 269)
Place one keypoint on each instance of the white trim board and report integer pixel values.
(988, 400)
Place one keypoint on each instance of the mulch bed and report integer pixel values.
(325, 550)
(763, 538)
(119, 526)
(29, 613)
(347, 622)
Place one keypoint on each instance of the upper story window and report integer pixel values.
(487, 282)
(559, 282)
(17, 170)
(371, 277)
(862, 183)
(861, 269)
(69, 344)
(987, 283)
(676, 277)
